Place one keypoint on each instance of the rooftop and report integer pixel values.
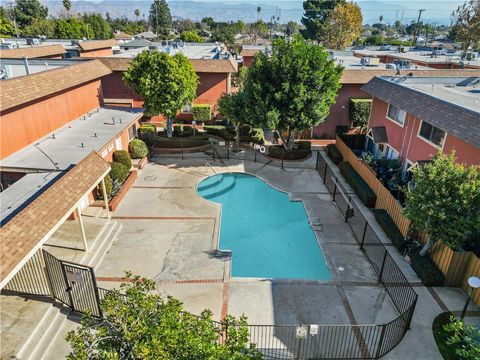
(96, 44)
(12, 68)
(449, 103)
(32, 52)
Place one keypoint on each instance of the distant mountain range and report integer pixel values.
(436, 11)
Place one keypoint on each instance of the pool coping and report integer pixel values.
(228, 263)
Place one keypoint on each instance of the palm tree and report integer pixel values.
(380, 18)
(258, 12)
(137, 13)
(67, 5)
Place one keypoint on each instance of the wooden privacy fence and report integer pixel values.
(456, 266)
(385, 200)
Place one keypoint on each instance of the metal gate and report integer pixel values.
(73, 284)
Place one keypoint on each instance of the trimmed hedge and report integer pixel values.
(201, 112)
(118, 172)
(225, 132)
(334, 154)
(147, 128)
(279, 152)
(137, 149)
(122, 157)
(245, 130)
(182, 142)
(362, 189)
(108, 187)
(359, 111)
(387, 224)
(304, 145)
(426, 270)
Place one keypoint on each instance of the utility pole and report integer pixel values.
(416, 27)
(14, 19)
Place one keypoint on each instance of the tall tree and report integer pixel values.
(466, 24)
(6, 26)
(67, 5)
(316, 13)
(160, 18)
(143, 325)
(70, 28)
(41, 27)
(165, 82)
(343, 26)
(191, 36)
(293, 89)
(27, 11)
(100, 27)
(137, 13)
(444, 201)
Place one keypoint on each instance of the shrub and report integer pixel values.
(147, 128)
(187, 131)
(245, 130)
(191, 141)
(354, 141)
(426, 270)
(122, 157)
(257, 136)
(387, 224)
(334, 154)
(227, 133)
(279, 152)
(362, 189)
(304, 145)
(177, 130)
(118, 172)
(359, 111)
(201, 112)
(108, 187)
(138, 149)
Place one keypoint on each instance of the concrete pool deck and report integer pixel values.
(169, 233)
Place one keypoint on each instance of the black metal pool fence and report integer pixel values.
(317, 341)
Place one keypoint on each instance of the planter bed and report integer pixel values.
(364, 192)
(387, 224)
(426, 270)
(279, 153)
(177, 150)
(334, 154)
(139, 164)
(115, 201)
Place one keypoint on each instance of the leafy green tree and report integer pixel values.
(40, 27)
(225, 34)
(293, 89)
(466, 24)
(316, 13)
(160, 18)
(67, 5)
(26, 11)
(443, 199)
(208, 21)
(165, 82)
(257, 30)
(6, 26)
(98, 25)
(191, 36)
(291, 28)
(70, 28)
(128, 26)
(342, 27)
(464, 339)
(143, 325)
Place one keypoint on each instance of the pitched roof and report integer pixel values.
(123, 36)
(32, 52)
(199, 65)
(451, 117)
(96, 44)
(27, 88)
(22, 236)
(250, 52)
(362, 76)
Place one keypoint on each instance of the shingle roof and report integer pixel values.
(122, 36)
(23, 89)
(32, 52)
(29, 229)
(199, 65)
(97, 44)
(459, 121)
(362, 76)
(250, 52)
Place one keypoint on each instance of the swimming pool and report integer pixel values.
(268, 234)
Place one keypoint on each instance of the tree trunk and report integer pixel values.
(169, 127)
(237, 135)
(425, 248)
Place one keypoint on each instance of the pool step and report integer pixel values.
(211, 182)
(227, 184)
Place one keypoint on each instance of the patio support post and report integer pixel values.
(105, 198)
(82, 229)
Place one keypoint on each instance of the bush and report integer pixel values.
(118, 172)
(122, 157)
(359, 112)
(362, 189)
(187, 130)
(147, 128)
(227, 133)
(108, 187)
(257, 136)
(245, 130)
(387, 224)
(334, 154)
(137, 149)
(426, 270)
(354, 141)
(201, 113)
(186, 142)
(177, 130)
(279, 152)
(304, 145)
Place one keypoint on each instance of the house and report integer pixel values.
(96, 48)
(412, 118)
(248, 52)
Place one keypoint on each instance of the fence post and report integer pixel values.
(410, 313)
(348, 208)
(378, 353)
(334, 191)
(383, 265)
(316, 162)
(282, 163)
(181, 147)
(255, 152)
(325, 173)
(363, 235)
(228, 151)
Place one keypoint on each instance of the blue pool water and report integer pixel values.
(269, 235)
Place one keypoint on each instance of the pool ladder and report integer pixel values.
(207, 165)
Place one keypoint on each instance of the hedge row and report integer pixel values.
(147, 128)
(247, 133)
(191, 141)
(201, 113)
(334, 154)
(387, 224)
(358, 184)
(279, 152)
(426, 270)
(183, 131)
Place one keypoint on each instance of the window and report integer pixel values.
(391, 153)
(431, 133)
(132, 132)
(187, 107)
(118, 143)
(396, 115)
